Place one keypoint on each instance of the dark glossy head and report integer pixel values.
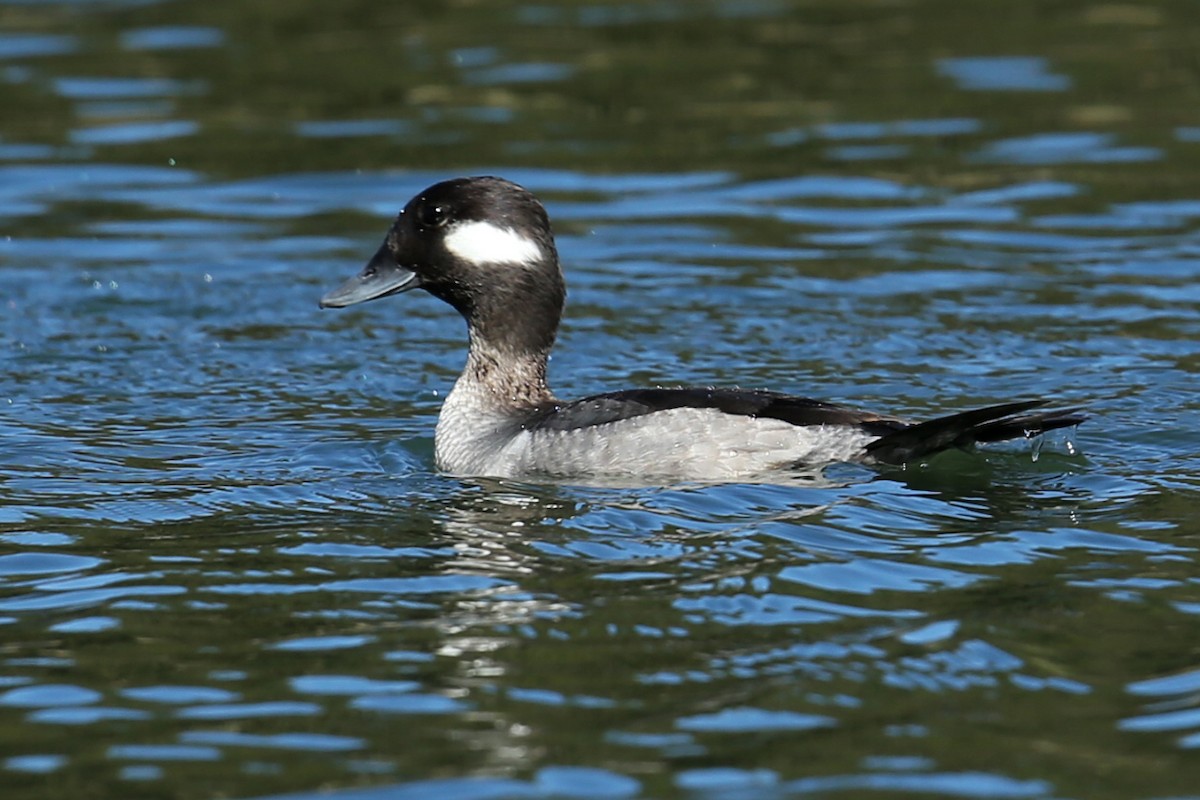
(483, 245)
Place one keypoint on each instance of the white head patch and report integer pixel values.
(485, 243)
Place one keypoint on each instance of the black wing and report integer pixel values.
(602, 409)
(900, 442)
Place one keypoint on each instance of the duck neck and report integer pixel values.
(505, 377)
(512, 326)
(511, 334)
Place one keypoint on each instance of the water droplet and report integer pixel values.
(1036, 451)
(207, 278)
(170, 162)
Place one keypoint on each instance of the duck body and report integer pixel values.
(484, 245)
(664, 433)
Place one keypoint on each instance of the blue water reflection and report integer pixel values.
(132, 133)
(172, 37)
(1065, 148)
(1003, 73)
(91, 88)
(31, 45)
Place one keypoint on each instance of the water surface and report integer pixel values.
(229, 568)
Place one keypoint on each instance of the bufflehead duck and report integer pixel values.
(484, 245)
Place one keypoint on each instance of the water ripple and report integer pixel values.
(229, 561)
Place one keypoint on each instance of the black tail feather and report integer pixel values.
(1028, 425)
(982, 425)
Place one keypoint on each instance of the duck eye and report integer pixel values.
(433, 215)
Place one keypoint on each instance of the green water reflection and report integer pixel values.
(761, 88)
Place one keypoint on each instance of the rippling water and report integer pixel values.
(229, 568)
